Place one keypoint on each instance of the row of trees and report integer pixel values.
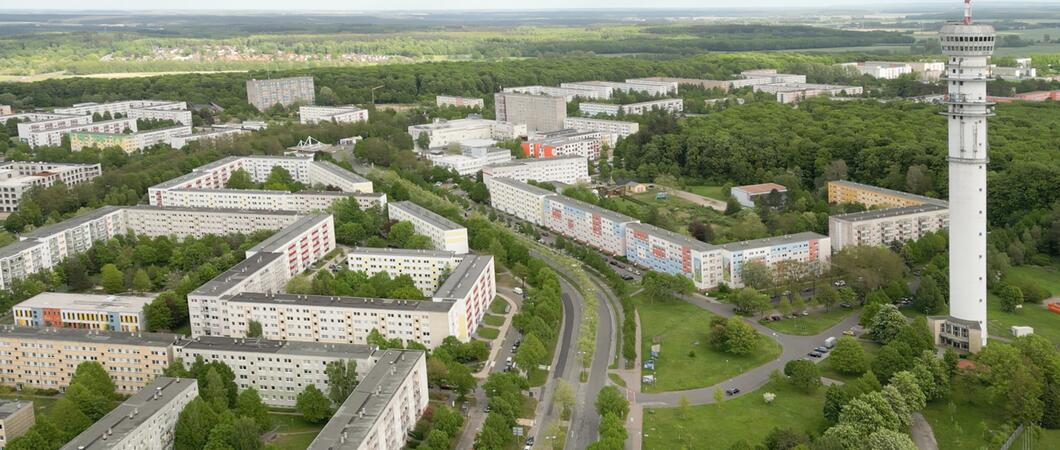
(613, 408)
(356, 284)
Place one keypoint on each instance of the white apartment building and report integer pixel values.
(887, 70)
(596, 109)
(883, 227)
(6, 110)
(198, 222)
(537, 112)
(261, 200)
(444, 233)
(278, 370)
(522, 200)
(612, 129)
(475, 154)
(37, 124)
(793, 92)
(16, 416)
(264, 94)
(568, 93)
(146, 421)
(130, 142)
(647, 87)
(17, 177)
(82, 311)
(769, 76)
(600, 228)
(304, 242)
(337, 114)
(266, 273)
(810, 248)
(673, 105)
(664, 251)
(134, 109)
(724, 85)
(213, 133)
(384, 407)
(427, 268)
(442, 133)
(449, 100)
(53, 137)
(46, 358)
(565, 142)
(661, 85)
(563, 169)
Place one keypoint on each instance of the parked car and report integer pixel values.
(821, 349)
(846, 305)
(815, 354)
(517, 290)
(732, 391)
(849, 332)
(649, 365)
(530, 441)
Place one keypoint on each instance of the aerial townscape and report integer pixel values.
(555, 225)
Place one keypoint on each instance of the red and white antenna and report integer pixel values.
(967, 12)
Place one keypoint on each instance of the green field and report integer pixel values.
(714, 192)
(746, 418)
(1045, 323)
(682, 329)
(487, 332)
(492, 320)
(293, 433)
(498, 306)
(812, 324)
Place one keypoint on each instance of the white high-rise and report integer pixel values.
(967, 47)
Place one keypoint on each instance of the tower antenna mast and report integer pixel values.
(967, 12)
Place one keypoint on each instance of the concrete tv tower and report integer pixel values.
(967, 47)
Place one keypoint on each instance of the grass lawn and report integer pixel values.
(498, 306)
(746, 418)
(537, 377)
(492, 320)
(1047, 277)
(616, 379)
(714, 192)
(487, 332)
(294, 432)
(828, 371)
(812, 324)
(961, 426)
(682, 327)
(1045, 323)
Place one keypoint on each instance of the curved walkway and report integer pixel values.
(795, 347)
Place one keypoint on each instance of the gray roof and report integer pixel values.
(173, 182)
(335, 169)
(15, 248)
(96, 336)
(427, 215)
(350, 425)
(771, 241)
(342, 302)
(670, 236)
(131, 414)
(250, 345)
(403, 252)
(92, 302)
(49, 230)
(531, 161)
(462, 279)
(526, 187)
(265, 191)
(299, 226)
(869, 187)
(257, 212)
(239, 272)
(889, 212)
(9, 407)
(591, 208)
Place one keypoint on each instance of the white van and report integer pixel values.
(518, 290)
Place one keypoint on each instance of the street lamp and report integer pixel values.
(373, 93)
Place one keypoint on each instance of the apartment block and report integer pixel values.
(84, 311)
(522, 200)
(304, 202)
(568, 93)
(208, 134)
(267, 273)
(724, 85)
(441, 133)
(337, 114)
(53, 136)
(469, 165)
(659, 86)
(612, 129)
(673, 105)
(384, 407)
(444, 233)
(17, 177)
(46, 358)
(304, 242)
(129, 142)
(563, 169)
(134, 109)
(609, 87)
(600, 228)
(664, 251)
(146, 421)
(769, 76)
(884, 227)
(842, 191)
(278, 370)
(537, 112)
(264, 94)
(427, 268)
(809, 248)
(566, 142)
(449, 100)
(198, 222)
(794, 92)
(33, 127)
(16, 418)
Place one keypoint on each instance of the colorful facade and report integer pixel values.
(664, 251)
(810, 248)
(592, 225)
(86, 311)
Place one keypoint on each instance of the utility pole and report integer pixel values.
(373, 94)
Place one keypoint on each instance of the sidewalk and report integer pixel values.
(497, 344)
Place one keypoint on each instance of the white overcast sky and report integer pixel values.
(363, 5)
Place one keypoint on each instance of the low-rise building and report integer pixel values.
(809, 249)
(449, 100)
(474, 155)
(1023, 70)
(444, 233)
(537, 112)
(664, 251)
(6, 110)
(146, 421)
(794, 92)
(16, 418)
(887, 70)
(384, 407)
(337, 114)
(565, 142)
(613, 129)
(746, 195)
(85, 311)
(522, 200)
(130, 142)
(882, 227)
(568, 169)
(278, 370)
(17, 177)
(46, 358)
(427, 268)
(441, 133)
(600, 228)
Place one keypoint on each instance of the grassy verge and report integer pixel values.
(537, 377)
(294, 433)
(713, 192)
(746, 419)
(616, 379)
(487, 332)
(492, 320)
(685, 360)
(810, 325)
(499, 306)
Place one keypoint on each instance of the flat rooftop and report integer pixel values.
(670, 236)
(334, 301)
(763, 188)
(17, 247)
(427, 215)
(131, 414)
(72, 222)
(264, 346)
(525, 187)
(536, 161)
(357, 415)
(253, 212)
(267, 192)
(402, 252)
(89, 336)
(298, 227)
(9, 407)
(339, 171)
(235, 275)
(881, 190)
(462, 279)
(88, 302)
(772, 241)
(591, 208)
(875, 214)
